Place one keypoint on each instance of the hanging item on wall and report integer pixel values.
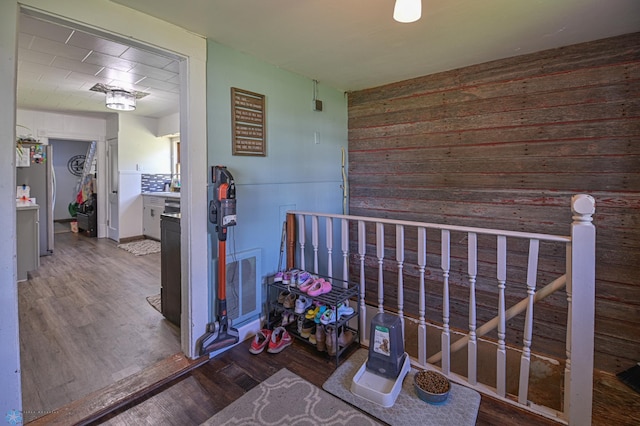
(247, 123)
(75, 165)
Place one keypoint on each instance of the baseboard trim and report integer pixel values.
(134, 238)
(245, 332)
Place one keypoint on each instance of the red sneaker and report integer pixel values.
(280, 339)
(263, 337)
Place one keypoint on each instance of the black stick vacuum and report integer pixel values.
(222, 211)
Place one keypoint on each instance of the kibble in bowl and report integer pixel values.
(431, 386)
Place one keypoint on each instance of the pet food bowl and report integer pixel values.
(431, 386)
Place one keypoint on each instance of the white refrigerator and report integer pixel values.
(40, 177)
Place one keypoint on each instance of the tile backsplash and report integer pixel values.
(154, 183)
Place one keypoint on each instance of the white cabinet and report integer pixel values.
(153, 206)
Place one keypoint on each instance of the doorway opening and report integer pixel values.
(93, 347)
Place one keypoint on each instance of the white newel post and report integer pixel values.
(581, 296)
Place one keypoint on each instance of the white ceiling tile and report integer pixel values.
(91, 42)
(157, 84)
(174, 66)
(43, 29)
(175, 79)
(87, 79)
(25, 40)
(78, 66)
(27, 73)
(112, 62)
(157, 73)
(53, 75)
(58, 49)
(147, 58)
(34, 57)
(119, 76)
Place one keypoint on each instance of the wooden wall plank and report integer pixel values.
(505, 145)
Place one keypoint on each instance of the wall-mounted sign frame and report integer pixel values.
(248, 123)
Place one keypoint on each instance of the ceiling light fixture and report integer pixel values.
(117, 98)
(407, 11)
(120, 100)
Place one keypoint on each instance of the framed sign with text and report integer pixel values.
(247, 123)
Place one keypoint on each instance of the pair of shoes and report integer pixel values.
(289, 301)
(306, 284)
(345, 310)
(299, 324)
(302, 277)
(302, 304)
(313, 311)
(320, 338)
(280, 339)
(260, 341)
(345, 338)
(283, 294)
(288, 318)
(277, 278)
(319, 287)
(315, 314)
(330, 333)
(308, 327)
(328, 317)
(287, 276)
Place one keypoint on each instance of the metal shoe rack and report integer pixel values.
(334, 298)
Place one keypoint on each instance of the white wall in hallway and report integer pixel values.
(10, 391)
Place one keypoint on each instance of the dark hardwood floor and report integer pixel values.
(85, 322)
(204, 391)
(71, 336)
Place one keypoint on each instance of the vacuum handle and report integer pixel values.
(222, 273)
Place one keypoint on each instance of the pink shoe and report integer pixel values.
(319, 287)
(280, 339)
(263, 337)
(304, 287)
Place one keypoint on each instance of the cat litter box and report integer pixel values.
(380, 378)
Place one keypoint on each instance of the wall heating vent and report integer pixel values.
(244, 290)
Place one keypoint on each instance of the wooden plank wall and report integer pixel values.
(505, 144)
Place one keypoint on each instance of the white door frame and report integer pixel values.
(137, 28)
(113, 196)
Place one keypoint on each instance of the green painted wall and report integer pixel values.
(297, 173)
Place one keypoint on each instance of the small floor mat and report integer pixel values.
(287, 399)
(460, 409)
(155, 302)
(142, 247)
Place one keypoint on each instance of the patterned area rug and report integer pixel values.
(287, 399)
(460, 409)
(142, 247)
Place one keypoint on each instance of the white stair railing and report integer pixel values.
(579, 279)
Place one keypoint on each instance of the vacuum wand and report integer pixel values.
(222, 212)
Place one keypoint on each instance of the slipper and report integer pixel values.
(328, 317)
(311, 313)
(344, 310)
(321, 312)
(319, 287)
(304, 287)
